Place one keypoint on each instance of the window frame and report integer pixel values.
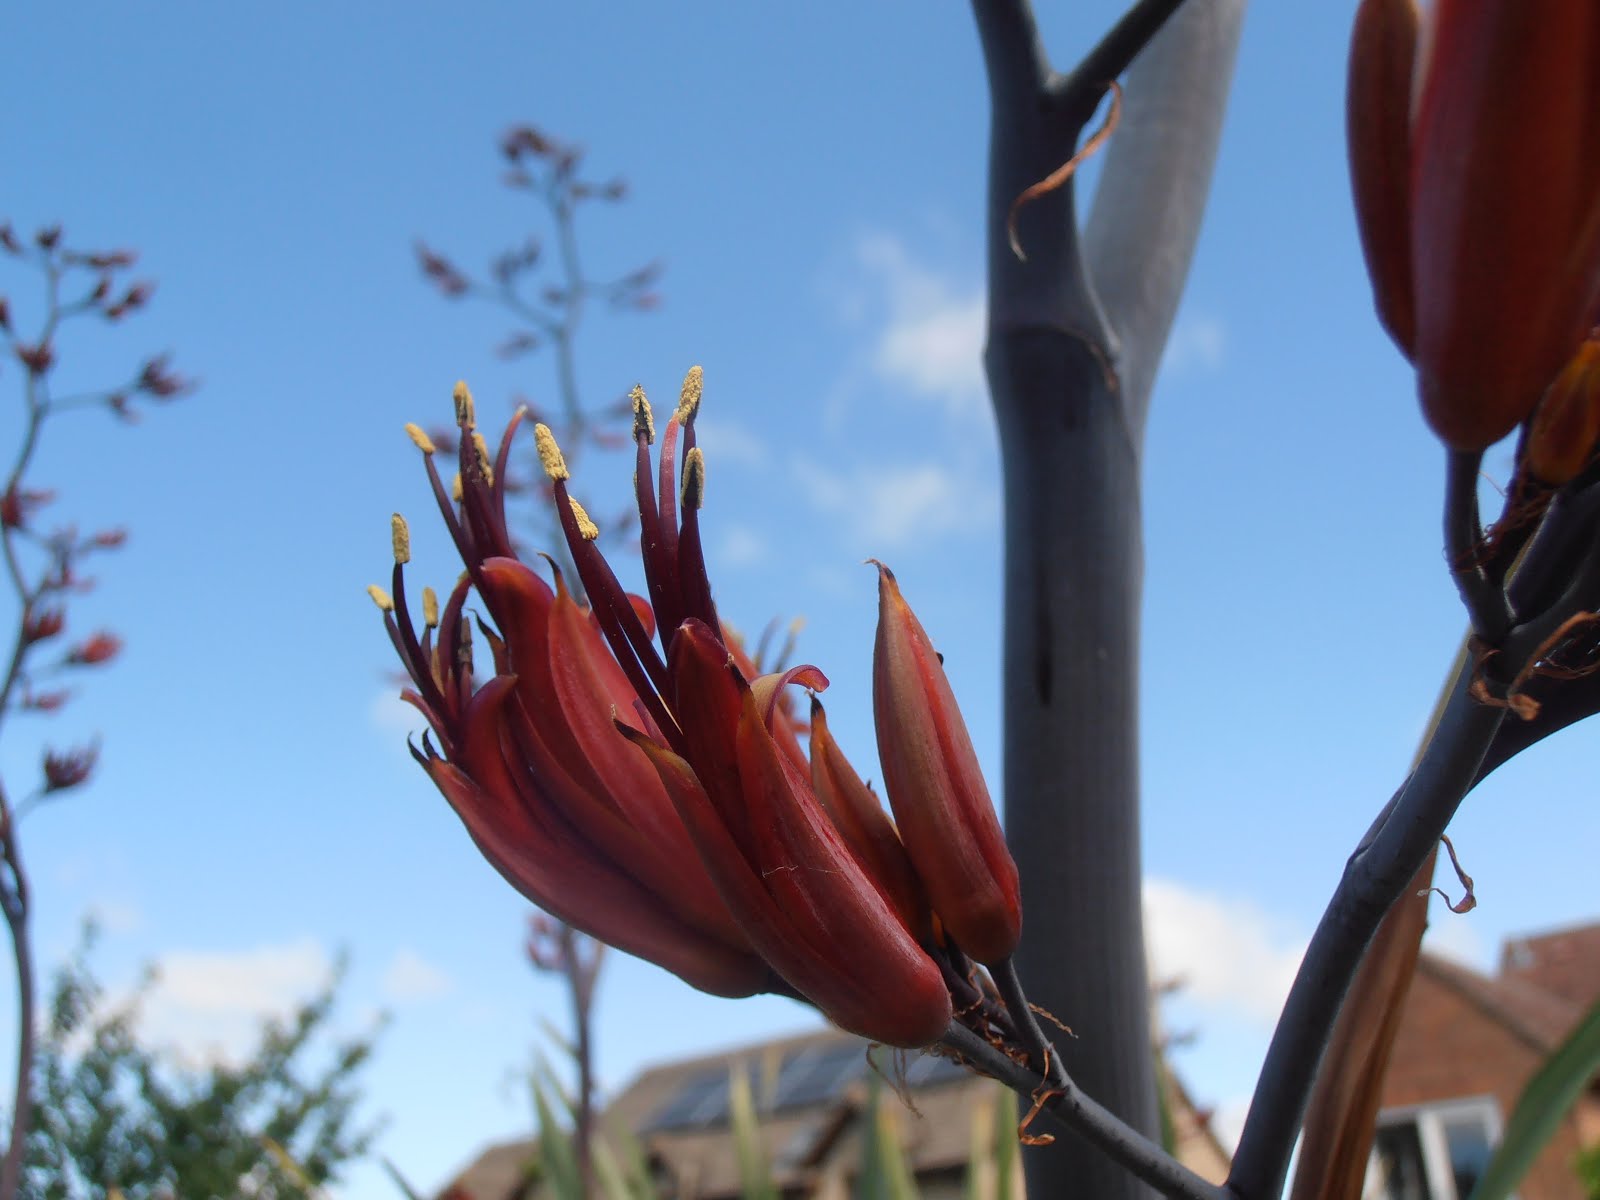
(1430, 1118)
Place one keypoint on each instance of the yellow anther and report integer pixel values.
(644, 420)
(430, 608)
(419, 439)
(550, 456)
(587, 529)
(694, 479)
(481, 447)
(401, 536)
(380, 597)
(466, 417)
(455, 488)
(689, 397)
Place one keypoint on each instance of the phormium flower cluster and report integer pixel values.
(627, 767)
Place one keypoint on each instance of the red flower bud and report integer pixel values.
(41, 623)
(866, 828)
(100, 648)
(936, 788)
(1502, 214)
(38, 359)
(69, 768)
(1378, 123)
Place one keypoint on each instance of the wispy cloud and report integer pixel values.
(410, 977)
(727, 442)
(931, 341)
(741, 546)
(1453, 935)
(1231, 954)
(1197, 343)
(895, 505)
(208, 1007)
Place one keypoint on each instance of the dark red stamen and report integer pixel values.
(631, 646)
(413, 654)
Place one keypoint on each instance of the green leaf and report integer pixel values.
(755, 1177)
(885, 1173)
(1006, 1152)
(1544, 1103)
(557, 1162)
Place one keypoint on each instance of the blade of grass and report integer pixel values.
(1544, 1103)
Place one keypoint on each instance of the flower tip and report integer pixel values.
(694, 480)
(430, 608)
(400, 536)
(644, 422)
(466, 416)
(380, 598)
(485, 465)
(689, 395)
(420, 439)
(550, 456)
(587, 529)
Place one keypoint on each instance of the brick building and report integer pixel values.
(1466, 1046)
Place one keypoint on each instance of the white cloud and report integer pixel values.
(897, 505)
(115, 916)
(1230, 953)
(393, 718)
(931, 343)
(723, 441)
(409, 976)
(208, 1007)
(1454, 936)
(742, 547)
(1197, 343)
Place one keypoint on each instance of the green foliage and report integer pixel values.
(1587, 1168)
(755, 1175)
(1542, 1107)
(885, 1174)
(112, 1113)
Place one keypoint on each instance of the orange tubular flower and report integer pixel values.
(936, 787)
(656, 799)
(1503, 212)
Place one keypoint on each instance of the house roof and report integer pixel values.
(1535, 1016)
(1565, 962)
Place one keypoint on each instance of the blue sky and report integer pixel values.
(812, 177)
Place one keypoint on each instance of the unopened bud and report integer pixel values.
(936, 787)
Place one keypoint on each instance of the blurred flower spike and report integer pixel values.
(631, 770)
(99, 648)
(1475, 162)
(69, 768)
